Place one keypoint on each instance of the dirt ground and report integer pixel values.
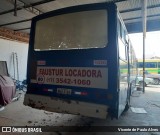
(16, 114)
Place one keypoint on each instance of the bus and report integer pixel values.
(76, 59)
(152, 69)
(151, 65)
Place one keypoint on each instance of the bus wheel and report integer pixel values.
(127, 107)
(128, 99)
(156, 81)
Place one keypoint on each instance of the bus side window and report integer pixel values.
(126, 52)
(118, 28)
(122, 50)
(140, 65)
(151, 65)
(123, 35)
(130, 54)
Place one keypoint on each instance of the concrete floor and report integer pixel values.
(16, 114)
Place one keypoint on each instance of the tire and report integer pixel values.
(141, 84)
(127, 107)
(156, 81)
(128, 97)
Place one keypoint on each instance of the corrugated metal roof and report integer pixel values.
(4, 5)
(21, 15)
(130, 10)
(127, 5)
(17, 26)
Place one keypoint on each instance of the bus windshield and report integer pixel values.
(79, 30)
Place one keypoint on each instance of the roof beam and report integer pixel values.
(15, 22)
(22, 29)
(27, 6)
(115, 1)
(15, 7)
(155, 15)
(30, 9)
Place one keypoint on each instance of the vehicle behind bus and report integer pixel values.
(151, 65)
(152, 69)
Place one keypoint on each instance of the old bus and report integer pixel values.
(76, 62)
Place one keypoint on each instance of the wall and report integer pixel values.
(7, 47)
